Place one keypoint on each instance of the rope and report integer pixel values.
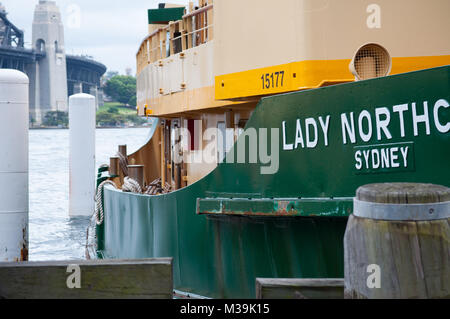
(131, 186)
(91, 239)
(123, 163)
(155, 188)
(99, 214)
(96, 219)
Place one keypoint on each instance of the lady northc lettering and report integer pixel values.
(362, 126)
(383, 123)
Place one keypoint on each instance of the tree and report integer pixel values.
(110, 74)
(107, 118)
(132, 101)
(113, 110)
(121, 88)
(56, 118)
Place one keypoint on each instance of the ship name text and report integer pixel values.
(380, 127)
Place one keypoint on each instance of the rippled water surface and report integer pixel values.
(53, 235)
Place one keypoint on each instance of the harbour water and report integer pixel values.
(52, 234)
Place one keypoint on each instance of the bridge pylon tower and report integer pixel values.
(49, 91)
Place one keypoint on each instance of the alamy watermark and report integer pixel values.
(214, 145)
(74, 279)
(374, 279)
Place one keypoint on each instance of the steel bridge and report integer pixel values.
(83, 73)
(13, 54)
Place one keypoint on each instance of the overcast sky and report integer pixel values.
(109, 30)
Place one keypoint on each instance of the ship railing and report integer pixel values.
(200, 24)
(194, 29)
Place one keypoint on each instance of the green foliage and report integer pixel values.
(111, 114)
(133, 101)
(56, 118)
(116, 105)
(113, 110)
(107, 119)
(122, 88)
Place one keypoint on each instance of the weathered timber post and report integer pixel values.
(136, 172)
(114, 170)
(123, 162)
(123, 150)
(397, 242)
(114, 166)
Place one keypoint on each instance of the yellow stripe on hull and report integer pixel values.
(306, 75)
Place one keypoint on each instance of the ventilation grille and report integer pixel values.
(371, 61)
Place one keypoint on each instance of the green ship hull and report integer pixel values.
(237, 223)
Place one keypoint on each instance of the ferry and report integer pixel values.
(266, 117)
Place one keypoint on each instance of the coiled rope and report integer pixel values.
(99, 213)
(96, 219)
(131, 186)
(156, 188)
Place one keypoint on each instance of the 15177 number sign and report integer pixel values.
(272, 80)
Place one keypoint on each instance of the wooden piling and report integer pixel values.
(136, 172)
(114, 166)
(397, 242)
(123, 150)
(123, 163)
